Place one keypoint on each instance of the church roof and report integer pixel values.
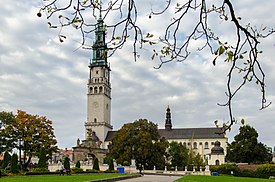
(183, 133)
(189, 133)
(110, 135)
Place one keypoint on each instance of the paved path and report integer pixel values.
(153, 178)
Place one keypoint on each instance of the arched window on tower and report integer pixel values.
(91, 89)
(100, 89)
(95, 91)
(95, 120)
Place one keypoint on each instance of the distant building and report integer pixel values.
(60, 155)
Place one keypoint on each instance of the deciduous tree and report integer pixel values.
(7, 138)
(34, 132)
(246, 148)
(178, 154)
(141, 141)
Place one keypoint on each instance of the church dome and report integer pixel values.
(217, 149)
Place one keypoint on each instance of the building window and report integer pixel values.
(95, 120)
(184, 144)
(200, 143)
(100, 89)
(217, 162)
(195, 145)
(95, 90)
(206, 145)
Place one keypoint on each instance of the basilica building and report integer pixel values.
(209, 142)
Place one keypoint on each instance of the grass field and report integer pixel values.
(197, 178)
(57, 178)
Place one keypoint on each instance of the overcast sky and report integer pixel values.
(41, 76)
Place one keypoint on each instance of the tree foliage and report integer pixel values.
(7, 139)
(77, 165)
(14, 163)
(246, 149)
(95, 164)
(178, 154)
(141, 141)
(34, 132)
(28, 134)
(6, 160)
(175, 43)
(67, 163)
(43, 161)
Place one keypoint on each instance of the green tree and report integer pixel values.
(14, 164)
(42, 163)
(198, 161)
(242, 51)
(178, 154)
(77, 165)
(139, 140)
(246, 148)
(111, 165)
(7, 138)
(95, 164)
(6, 160)
(67, 163)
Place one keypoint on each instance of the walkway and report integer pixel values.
(153, 178)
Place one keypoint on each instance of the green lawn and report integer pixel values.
(197, 178)
(57, 178)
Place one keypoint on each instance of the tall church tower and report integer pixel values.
(99, 88)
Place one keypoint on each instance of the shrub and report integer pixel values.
(6, 160)
(77, 165)
(111, 165)
(95, 165)
(110, 171)
(40, 170)
(14, 164)
(107, 160)
(67, 163)
(92, 171)
(77, 170)
(190, 168)
(266, 170)
(247, 173)
(42, 163)
(225, 169)
(126, 163)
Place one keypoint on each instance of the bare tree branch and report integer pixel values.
(242, 54)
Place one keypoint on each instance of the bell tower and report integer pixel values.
(99, 87)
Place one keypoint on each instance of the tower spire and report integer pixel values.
(99, 47)
(168, 123)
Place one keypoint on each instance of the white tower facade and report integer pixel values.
(99, 88)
